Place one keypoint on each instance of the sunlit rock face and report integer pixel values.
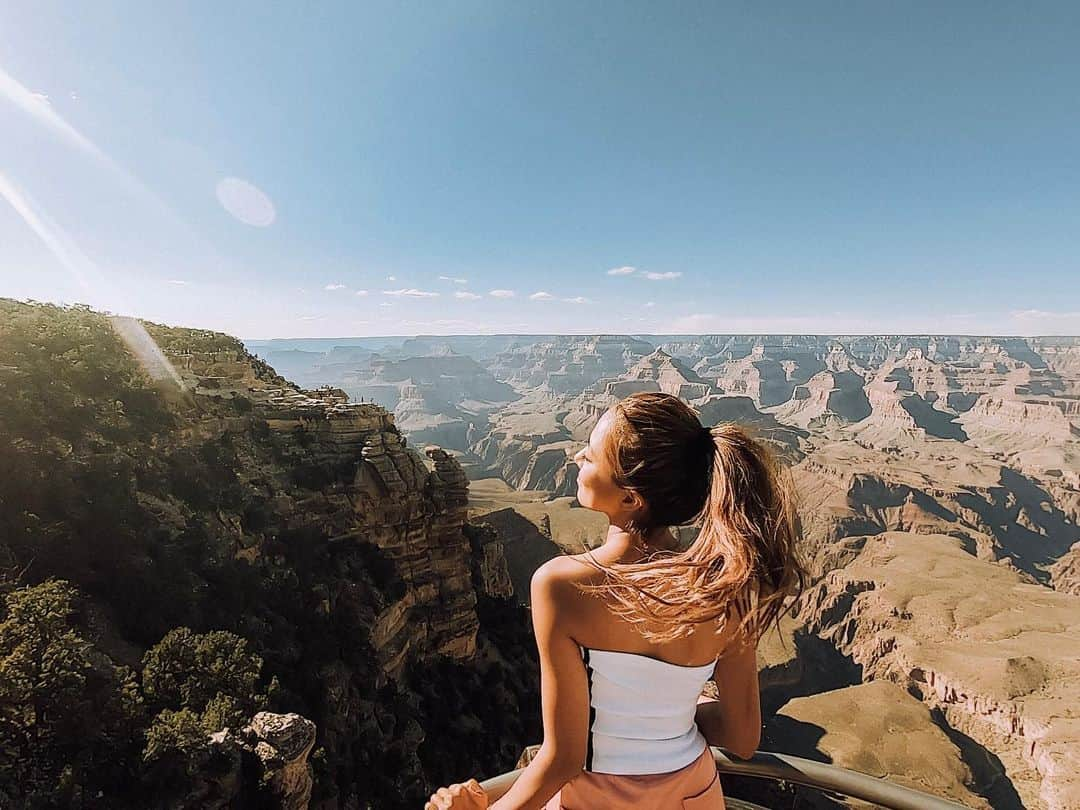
(1065, 573)
(996, 656)
(875, 728)
(360, 482)
(437, 399)
(846, 489)
(669, 374)
(566, 364)
(358, 479)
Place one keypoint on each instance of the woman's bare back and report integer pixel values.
(598, 627)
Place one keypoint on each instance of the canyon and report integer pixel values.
(367, 514)
(939, 487)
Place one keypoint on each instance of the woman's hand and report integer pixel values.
(467, 796)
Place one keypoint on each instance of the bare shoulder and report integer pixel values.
(557, 573)
(558, 579)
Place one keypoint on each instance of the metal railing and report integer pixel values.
(799, 771)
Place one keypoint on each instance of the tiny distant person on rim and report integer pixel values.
(630, 632)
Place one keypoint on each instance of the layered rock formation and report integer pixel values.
(670, 376)
(997, 657)
(1001, 515)
(567, 364)
(828, 398)
(352, 477)
(436, 398)
(529, 447)
(223, 497)
(524, 547)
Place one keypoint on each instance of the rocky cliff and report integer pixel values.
(995, 657)
(847, 489)
(223, 497)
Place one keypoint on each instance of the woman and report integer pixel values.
(628, 634)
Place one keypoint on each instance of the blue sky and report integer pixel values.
(382, 168)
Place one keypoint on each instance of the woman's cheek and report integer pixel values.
(584, 494)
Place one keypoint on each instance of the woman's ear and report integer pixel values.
(632, 501)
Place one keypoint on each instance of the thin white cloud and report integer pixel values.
(361, 292)
(391, 278)
(1042, 315)
(577, 299)
(334, 286)
(466, 296)
(411, 292)
(647, 274)
(310, 318)
(650, 303)
(385, 304)
(454, 280)
(502, 293)
(178, 282)
(541, 296)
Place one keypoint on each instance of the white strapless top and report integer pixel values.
(641, 713)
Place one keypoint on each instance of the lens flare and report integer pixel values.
(247, 203)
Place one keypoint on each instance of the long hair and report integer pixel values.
(744, 563)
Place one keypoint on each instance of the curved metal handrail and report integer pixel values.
(799, 771)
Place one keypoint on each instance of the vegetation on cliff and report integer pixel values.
(127, 538)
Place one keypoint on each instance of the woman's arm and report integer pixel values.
(564, 692)
(733, 720)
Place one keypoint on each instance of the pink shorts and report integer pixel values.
(695, 787)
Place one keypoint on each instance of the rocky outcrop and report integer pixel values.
(525, 548)
(568, 363)
(898, 410)
(669, 374)
(435, 398)
(1000, 514)
(875, 728)
(426, 418)
(1040, 421)
(1065, 573)
(264, 764)
(528, 446)
(995, 657)
(550, 468)
(826, 399)
(491, 571)
(344, 476)
(282, 743)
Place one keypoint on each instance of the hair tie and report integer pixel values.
(708, 440)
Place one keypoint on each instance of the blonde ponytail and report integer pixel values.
(744, 564)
